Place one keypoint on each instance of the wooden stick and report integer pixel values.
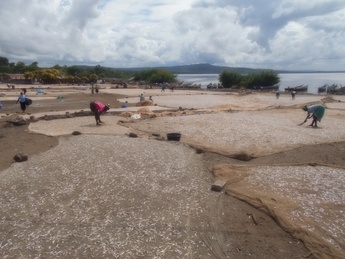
(301, 123)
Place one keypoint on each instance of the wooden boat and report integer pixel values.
(341, 90)
(299, 88)
(336, 89)
(270, 87)
(323, 88)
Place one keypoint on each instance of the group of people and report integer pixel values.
(96, 107)
(293, 94)
(94, 89)
(315, 111)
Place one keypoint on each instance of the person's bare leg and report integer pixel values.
(314, 123)
(97, 118)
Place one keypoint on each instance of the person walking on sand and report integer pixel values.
(293, 94)
(97, 109)
(22, 100)
(316, 112)
(277, 94)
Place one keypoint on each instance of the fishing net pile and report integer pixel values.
(307, 201)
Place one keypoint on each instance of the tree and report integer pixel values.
(74, 71)
(4, 61)
(32, 67)
(98, 69)
(29, 75)
(48, 76)
(19, 67)
(93, 78)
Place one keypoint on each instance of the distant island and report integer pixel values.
(211, 69)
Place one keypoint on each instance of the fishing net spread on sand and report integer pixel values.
(306, 201)
(144, 111)
(145, 103)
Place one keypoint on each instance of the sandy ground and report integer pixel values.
(102, 194)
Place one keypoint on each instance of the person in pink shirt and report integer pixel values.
(98, 108)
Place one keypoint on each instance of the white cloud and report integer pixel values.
(288, 34)
(214, 34)
(315, 42)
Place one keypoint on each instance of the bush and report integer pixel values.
(263, 78)
(230, 78)
(235, 79)
(155, 76)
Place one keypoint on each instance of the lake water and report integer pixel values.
(313, 80)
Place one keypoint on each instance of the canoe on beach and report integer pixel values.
(270, 87)
(336, 89)
(323, 88)
(299, 88)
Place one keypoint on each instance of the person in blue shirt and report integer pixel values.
(22, 101)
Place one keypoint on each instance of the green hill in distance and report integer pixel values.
(206, 68)
(193, 69)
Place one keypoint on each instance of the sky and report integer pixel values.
(269, 34)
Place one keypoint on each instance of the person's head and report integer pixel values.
(107, 107)
(305, 108)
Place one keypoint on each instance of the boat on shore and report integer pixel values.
(323, 88)
(336, 89)
(269, 87)
(299, 88)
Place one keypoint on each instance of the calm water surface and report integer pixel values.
(313, 80)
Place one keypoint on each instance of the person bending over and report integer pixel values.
(316, 112)
(97, 109)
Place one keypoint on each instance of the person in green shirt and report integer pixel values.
(316, 112)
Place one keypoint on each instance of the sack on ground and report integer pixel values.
(28, 101)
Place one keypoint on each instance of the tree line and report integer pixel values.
(80, 74)
(59, 74)
(233, 79)
(91, 74)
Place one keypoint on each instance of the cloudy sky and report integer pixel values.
(274, 34)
